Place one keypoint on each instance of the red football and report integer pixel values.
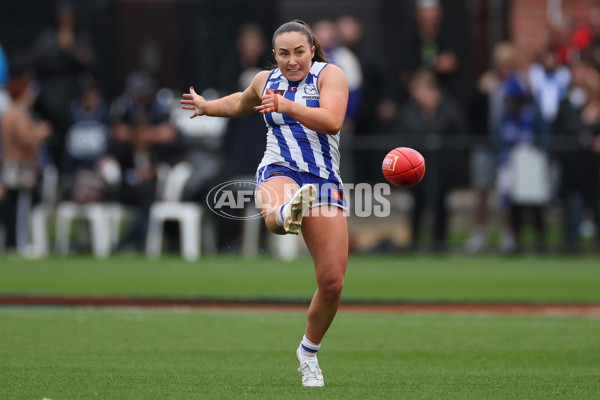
(403, 167)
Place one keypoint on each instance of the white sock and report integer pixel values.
(280, 214)
(308, 348)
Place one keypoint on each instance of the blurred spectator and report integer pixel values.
(581, 39)
(434, 46)
(488, 103)
(326, 31)
(244, 142)
(523, 187)
(4, 73)
(579, 123)
(203, 141)
(587, 36)
(59, 55)
(549, 82)
(351, 36)
(144, 137)
(22, 136)
(350, 32)
(340, 55)
(206, 141)
(249, 56)
(376, 95)
(566, 40)
(88, 173)
(4, 103)
(430, 111)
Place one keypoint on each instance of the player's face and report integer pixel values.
(293, 55)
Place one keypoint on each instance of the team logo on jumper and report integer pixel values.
(310, 89)
(279, 92)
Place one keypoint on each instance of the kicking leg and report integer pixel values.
(283, 204)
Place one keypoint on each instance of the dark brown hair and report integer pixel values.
(17, 85)
(298, 25)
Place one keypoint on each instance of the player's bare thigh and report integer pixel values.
(325, 232)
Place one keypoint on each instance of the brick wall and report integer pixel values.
(529, 21)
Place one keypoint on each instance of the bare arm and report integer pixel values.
(25, 131)
(234, 105)
(329, 116)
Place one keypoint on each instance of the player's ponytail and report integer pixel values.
(298, 25)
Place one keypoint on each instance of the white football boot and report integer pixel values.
(298, 205)
(312, 376)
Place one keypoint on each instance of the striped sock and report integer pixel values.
(308, 348)
(279, 215)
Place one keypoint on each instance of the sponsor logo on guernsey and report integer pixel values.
(310, 89)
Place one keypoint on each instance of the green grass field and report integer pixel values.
(140, 354)
(415, 278)
(110, 353)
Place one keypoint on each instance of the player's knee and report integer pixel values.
(332, 286)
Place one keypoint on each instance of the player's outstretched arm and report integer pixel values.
(329, 116)
(234, 105)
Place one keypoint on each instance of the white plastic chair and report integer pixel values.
(104, 218)
(187, 214)
(286, 247)
(41, 213)
(105, 221)
(99, 217)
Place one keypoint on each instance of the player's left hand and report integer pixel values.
(270, 103)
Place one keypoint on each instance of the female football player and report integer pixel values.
(303, 101)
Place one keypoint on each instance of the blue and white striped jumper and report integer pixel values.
(293, 145)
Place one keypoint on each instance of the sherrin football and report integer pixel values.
(403, 167)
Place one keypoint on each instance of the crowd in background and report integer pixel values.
(539, 116)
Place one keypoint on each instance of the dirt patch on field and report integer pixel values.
(555, 309)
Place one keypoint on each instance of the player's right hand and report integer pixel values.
(270, 103)
(192, 101)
